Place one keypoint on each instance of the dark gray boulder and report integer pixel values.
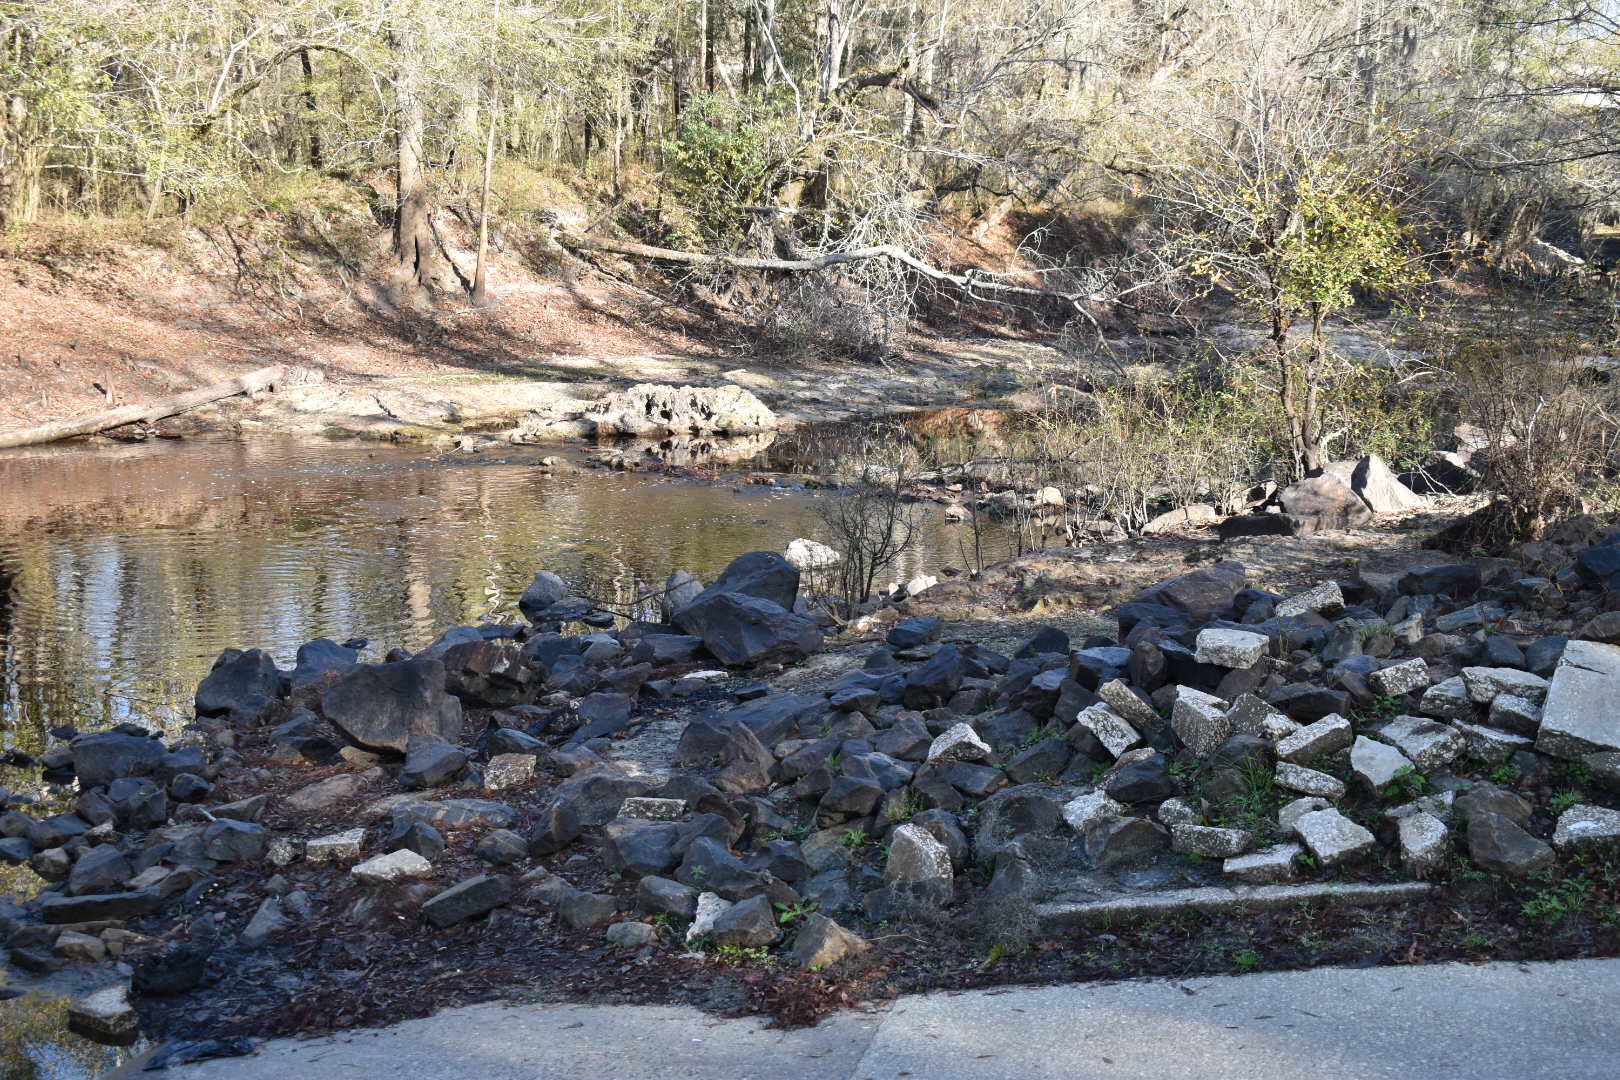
(430, 764)
(662, 896)
(104, 756)
(1496, 843)
(1201, 594)
(748, 763)
(545, 591)
(914, 632)
(765, 575)
(381, 706)
(137, 803)
(740, 630)
(640, 847)
(751, 924)
(417, 836)
(467, 900)
(54, 831)
(932, 684)
(666, 649)
(1122, 842)
(1456, 580)
(102, 869)
(319, 658)
(1144, 780)
(491, 674)
(94, 907)
(242, 685)
(708, 866)
(587, 799)
(1322, 503)
(603, 714)
(235, 841)
(776, 716)
(501, 847)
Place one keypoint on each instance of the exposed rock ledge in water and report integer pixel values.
(651, 410)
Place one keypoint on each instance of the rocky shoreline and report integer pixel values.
(734, 805)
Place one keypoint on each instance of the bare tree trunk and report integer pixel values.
(312, 135)
(1288, 389)
(480, 287)
(832, 57)
(1311, 436)
(417, 274)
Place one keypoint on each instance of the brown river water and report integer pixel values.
(126, 569)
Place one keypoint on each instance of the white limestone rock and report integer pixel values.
(1425, 843)
(1428, 744)
(1209, 841)
(810, 554)
(1579, 716)
(1333, 838)
(1490, 744)
(1264, 867)
(1110, 728)
(1448, 700)
(508, 771)
(1325, 599)
(1308, 781)
(916, 858)
(1484, 683)
(1199, 720)
(394, 866)
(647, 808)
(1292, 812)
(710, 906)
(959, 742)
(343, 845)
(1515, 714)
(1377, 764)
(1252, 716)
(1117, 695)
(1179, 811)
(1230, 648)
(1402, 678)
(1326, 736)
(1585, 827)
(1090, 809)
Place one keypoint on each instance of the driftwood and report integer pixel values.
(970, 283)
(253, 382)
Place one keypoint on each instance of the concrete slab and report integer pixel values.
(1481, 1022)
(558, 1042)
(1484, 1023)
(1216, 898)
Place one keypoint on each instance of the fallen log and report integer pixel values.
(254, 382)
(971, 283)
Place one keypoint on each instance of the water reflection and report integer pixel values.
(33, 1046)
(125, 570)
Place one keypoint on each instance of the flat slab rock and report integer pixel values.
(1230, 648)
(1221, 898)
(1587, 827)
(1579, 716)
(1332, 837)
